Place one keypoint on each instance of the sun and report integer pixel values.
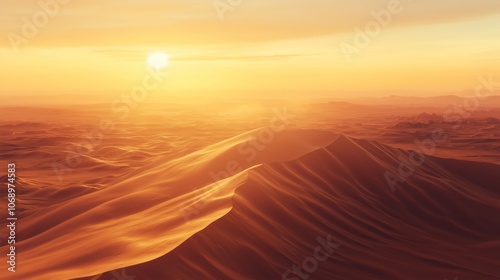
(158, 60)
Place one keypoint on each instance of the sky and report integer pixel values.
(280, 48)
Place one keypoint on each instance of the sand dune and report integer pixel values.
(250, 207)
(281, 209)
(147, 213)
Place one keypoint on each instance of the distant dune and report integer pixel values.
(436, 101)
(232, 211)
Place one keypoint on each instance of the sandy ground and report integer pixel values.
(250, 190)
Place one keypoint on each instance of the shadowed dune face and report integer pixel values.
(167, 195)
(339, 194)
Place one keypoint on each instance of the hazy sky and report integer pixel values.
(259, 45)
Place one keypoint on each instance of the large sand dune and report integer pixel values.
(150, 211)
(237, 210)
(339, 192)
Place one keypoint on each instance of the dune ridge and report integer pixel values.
(339, 191)
(141, 216)
(223, 212)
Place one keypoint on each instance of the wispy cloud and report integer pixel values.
(133, 23)
(138, 54)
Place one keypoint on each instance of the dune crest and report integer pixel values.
(339, 192)
(148, 213)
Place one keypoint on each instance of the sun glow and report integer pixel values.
(158, 60)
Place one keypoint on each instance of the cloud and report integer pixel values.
(179, 23)
(133, 54)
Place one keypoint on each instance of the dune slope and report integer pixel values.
(146, 214)
(441, 223)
